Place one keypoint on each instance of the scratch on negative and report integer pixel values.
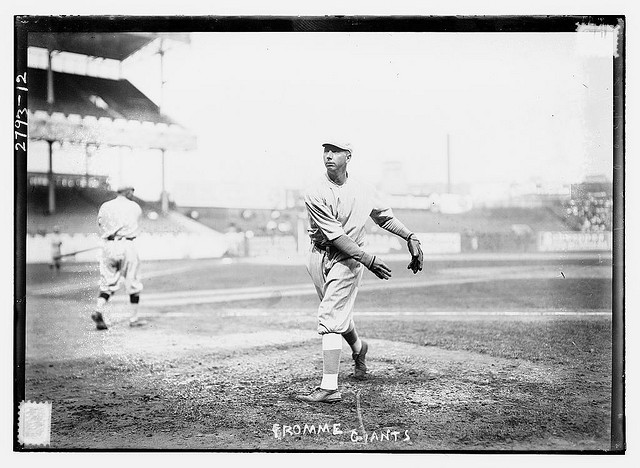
(359, 411)
(603, 29)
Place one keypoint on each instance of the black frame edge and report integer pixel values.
(618, 433)
(20, 224)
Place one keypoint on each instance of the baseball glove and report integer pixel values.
(416, 254)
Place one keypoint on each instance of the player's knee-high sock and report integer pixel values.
(134, 300)
(353, 339)
(331, 349)
(133, 313)
(101, 303)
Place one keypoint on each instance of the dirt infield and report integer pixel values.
(221, 375)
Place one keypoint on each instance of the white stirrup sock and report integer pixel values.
(101, 304)
(331, 349)
(133, 313)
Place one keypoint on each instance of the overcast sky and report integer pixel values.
(517, 107)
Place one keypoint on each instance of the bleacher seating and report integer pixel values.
(490, 220)
(87, 95)
(240, 219)
(590, 213)
(77, 210)
(482, 220)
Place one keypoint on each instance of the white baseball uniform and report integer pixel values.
(118, 221)
(56, 250)
(335, 210)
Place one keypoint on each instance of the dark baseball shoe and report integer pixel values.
(320, 395)
(100, 324)
(360, 371)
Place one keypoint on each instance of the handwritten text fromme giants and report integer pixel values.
(283, 431)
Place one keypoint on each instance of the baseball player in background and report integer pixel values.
(118, 222)
(338, 208)
(56, 249)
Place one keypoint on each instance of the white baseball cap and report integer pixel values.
(124, 188)
(343, 145)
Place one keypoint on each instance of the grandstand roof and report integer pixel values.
(116, 46)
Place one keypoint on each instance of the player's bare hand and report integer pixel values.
(416, 255)
(380, 269)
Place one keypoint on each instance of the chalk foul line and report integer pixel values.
(213, 296)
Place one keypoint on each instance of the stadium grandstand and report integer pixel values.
(79, 106)
(78, 199)
(73, 106)
(490, 220)
(590, 208)
(258, 221)
(516, 224)
(93, 97)
(479, 229)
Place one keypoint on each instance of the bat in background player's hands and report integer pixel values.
(416, 254)
(380, 269)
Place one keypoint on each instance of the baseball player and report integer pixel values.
(56, 249)
(338, 207)
(118, 223)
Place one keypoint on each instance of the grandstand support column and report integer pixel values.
(50, 102)
(162, 80)
(51, 182)
(88, 153)
(121, 162)
(164, 199)
(50, 90)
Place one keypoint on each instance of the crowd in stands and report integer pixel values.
(77, 210)
(591, 213)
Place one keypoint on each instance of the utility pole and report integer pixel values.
(448, 164)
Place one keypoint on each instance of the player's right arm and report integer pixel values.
(383, 216)
(333, 230)
(101, 219)
(345, 244)
(106, 223)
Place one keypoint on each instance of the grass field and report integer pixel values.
(483, 353)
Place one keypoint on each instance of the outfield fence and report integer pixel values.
(175, 246)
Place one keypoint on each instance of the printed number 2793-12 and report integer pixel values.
(20, 114)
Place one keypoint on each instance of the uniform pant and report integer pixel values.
(120, 261)
(336, 280)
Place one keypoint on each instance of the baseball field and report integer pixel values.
(495, 352)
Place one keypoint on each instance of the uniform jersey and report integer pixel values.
(335, 210)
(118, 218)
(118, 222)
(56, 243)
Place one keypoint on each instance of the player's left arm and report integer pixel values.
(383, 216)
